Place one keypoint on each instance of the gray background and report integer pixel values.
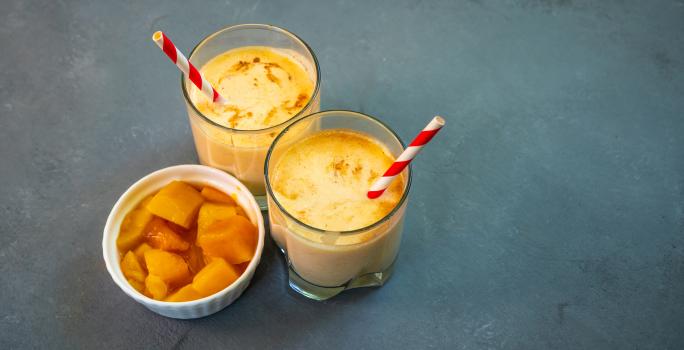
(548, 214)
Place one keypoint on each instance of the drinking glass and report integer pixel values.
(242, 152)
(323, 263)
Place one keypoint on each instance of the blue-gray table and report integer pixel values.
(548, 214)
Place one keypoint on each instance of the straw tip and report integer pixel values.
(374, 194)
(440, 120)
(157, 35)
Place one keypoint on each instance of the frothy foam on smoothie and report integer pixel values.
(263, 87)
(323, 180)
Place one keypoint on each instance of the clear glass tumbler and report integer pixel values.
(324, 263)
(242, 152)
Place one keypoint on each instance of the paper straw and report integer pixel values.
(186, 67)
(381, 184)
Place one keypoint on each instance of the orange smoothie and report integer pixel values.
(322, 181)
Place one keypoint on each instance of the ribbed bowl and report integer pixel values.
(196, 175)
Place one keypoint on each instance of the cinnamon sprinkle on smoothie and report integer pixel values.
(259, 83)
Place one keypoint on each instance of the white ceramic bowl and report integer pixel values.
(196, 175)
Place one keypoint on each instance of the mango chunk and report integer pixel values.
(139, 286)
(156, 287)
(159, 235)
(133, 226)
(177, 202)
(186, 293)
(233, 239)
(210, 213)
(130, 266)
(171, 268)
(140, 253)
(214, 195)
(214, 277)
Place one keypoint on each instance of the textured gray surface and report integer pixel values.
(548, 214)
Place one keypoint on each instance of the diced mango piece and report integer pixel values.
(171, 268)
(133, 227)
(194, 257)
(130, 266)
(159, 235)
(156, 287)
(186, 293)
(177, 202)
(139, 286)
(233, 239)
(210, 213)
(214, 195)
(214, 277)
(140, 253)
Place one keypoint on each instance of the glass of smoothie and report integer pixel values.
(318, 172)
(270, 78)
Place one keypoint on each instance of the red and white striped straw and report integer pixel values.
(186, 67)
(381, 184)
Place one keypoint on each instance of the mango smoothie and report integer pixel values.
(265, 87)
(322, 181)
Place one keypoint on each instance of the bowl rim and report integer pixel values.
(110, 230)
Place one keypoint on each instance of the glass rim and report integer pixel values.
(270, 27)
(389, 215)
